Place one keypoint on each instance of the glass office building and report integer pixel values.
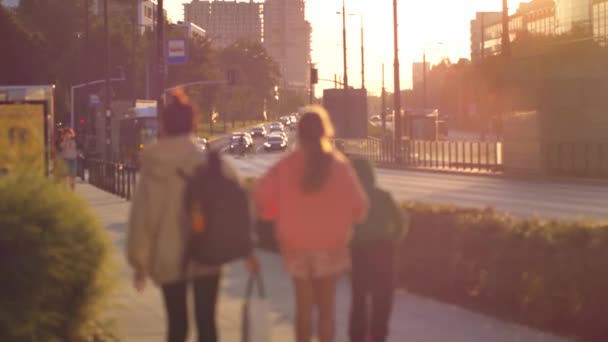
(600, 21)
(572, 13)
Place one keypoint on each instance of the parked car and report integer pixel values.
(259, 131)
(277, 127)
(275, 142)
(241, 142)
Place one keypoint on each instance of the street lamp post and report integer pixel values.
(383, 111)
(397, 95)
(424, 80)
(344, 43)
(160, 28)
(107, 92)
(362, 47)
(362, 55)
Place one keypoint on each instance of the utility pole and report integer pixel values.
(483, 36)
(107, 92)
(506, 39)
(160, 28)
(362, 56)
(383, 111)
(85, 66)
(136, 40)
(424, 80)
(344, 43)
(397, 95)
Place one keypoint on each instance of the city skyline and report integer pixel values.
(454, 34)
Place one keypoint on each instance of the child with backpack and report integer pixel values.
(374, 250)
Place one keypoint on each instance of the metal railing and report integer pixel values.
(116, 178)
(445, 155)
(577, 159)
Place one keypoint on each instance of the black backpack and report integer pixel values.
(220, 204)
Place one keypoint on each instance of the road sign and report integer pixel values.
(177, 51)
(94, 100)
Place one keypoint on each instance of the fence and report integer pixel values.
(447, 155)
(577, 159)
(116, 178)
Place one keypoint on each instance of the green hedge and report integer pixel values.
(54, 261)
(548, 275)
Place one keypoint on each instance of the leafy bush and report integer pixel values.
(54, 258)
(546, 274)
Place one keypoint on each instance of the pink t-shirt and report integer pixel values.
(319, 220)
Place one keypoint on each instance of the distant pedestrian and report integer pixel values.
(374, 253)
(314, 198)
(156, 240)
(69, 154)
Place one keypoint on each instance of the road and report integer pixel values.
(224, 142)
(546, 199)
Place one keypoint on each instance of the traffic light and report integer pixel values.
(314, 76)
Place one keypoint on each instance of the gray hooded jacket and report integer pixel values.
(157, 233)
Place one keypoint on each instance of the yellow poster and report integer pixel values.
(22, 137)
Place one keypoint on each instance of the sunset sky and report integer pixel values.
(423, 24)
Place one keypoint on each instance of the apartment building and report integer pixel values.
(226, 21)
(287, 38)
(547, 17)
(482, 20)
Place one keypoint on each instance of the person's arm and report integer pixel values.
(139, 234)
(355, 193)
(400, 218)
(266, 193)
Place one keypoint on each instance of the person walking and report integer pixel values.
(374, 253)
(314, 198)
(156, 239)
(69, 154)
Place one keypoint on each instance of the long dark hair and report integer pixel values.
(314, 130)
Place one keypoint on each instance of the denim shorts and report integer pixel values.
(316, 264)
(71, 165)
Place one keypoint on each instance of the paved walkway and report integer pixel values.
(140, 317)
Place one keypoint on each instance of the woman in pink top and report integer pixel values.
(314, 197)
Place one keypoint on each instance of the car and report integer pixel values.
(241, 142)
(283, 135)
(275, 142)
(203, 143)
(286, 120)
(294, 119)
(375, 120)
(259, 131)
(277, 127)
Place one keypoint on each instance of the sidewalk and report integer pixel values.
(140, 317)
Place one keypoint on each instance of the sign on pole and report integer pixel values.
(177, 51)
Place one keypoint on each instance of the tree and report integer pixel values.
(202, 65)
(59, 21)
(22, 60)
(257, 77)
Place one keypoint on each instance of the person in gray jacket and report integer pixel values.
(156, 236)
